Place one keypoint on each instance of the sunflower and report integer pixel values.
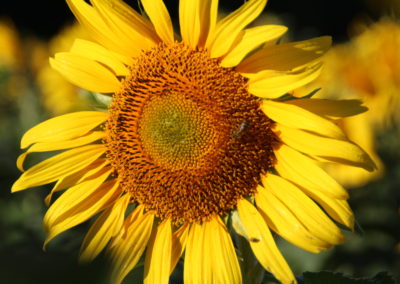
(53, 86)
(200, 136)
(10, 43)
(10, 61)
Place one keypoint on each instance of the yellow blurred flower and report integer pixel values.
(54, 87)
(199, 132)
(10, 51)
(11, 59)
(367, 68)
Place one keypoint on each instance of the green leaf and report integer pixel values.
(327, 277)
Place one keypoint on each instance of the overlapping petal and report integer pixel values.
(197, 18)
(273, 84)
(85, 73)
(225, 265)
(64, 127)
(60, 145)
(197, 266)
(325, 148)
(280, 218)
(58, 166)
(296, 117)
(100, 30)
(102, 55)
(333, 109)
(286, 56)
(179, 240)
(160, 18)
(303, 171)
(263, 244)
(134, 32)
(76, 177)
(127, 248)
(249, 40)
(210, 255)
(80, 203)
(122, 16)
(158, 255)
(309, 214)
(107, 225)
(230, 27)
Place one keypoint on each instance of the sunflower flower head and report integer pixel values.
(199, 133)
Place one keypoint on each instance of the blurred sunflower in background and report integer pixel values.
(10, 60)
(201, 136)
(9, 40)
(366, 68)
(53, 87)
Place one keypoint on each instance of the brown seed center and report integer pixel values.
(185, 137)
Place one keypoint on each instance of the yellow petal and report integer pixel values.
(264, 246)
(251, 39)
(159, 16)
(60, 145)
(158, 255)
(131, 18)
(321, 187)
(189, 21)
(85, 73)
(351, 177)
(126, 25)
(196, 18)
(225, 265)
(332, 150)
(64, 127)
(128, 19)
(230, 27)
(339, 210)
(286, 56)
(210, 255)
(99, 30)
(77, 177)
(107, 225)
(179, 239)
(359, 130)
(301, 170)
(75, 196)
(197, 266)
(333, 109)
(58, 166)
(308, 213)
(274, 84)
(212, 23)
(100, 54)
(127, 248)
(80, 203)
(296, 117)
(281, 219)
